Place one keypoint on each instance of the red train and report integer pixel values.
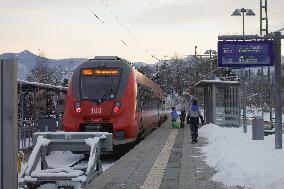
(107, 94)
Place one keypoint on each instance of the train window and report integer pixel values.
(139, 99)
(148, 99)
(99, 87)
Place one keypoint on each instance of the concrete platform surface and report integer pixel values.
(166, 159)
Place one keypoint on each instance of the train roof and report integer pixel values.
(106, 58)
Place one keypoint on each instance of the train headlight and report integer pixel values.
(116, 107)
(77, 107)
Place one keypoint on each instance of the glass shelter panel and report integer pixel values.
(227, 106)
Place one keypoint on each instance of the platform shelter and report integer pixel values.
(221, 101)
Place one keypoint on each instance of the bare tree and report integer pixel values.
(43, 73)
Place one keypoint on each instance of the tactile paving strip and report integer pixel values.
(155, 176)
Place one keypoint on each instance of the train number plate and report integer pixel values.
(93, 128)
(95, 110)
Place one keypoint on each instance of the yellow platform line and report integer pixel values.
(155, 176)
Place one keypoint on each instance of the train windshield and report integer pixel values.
(99, 86)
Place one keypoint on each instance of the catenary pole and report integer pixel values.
(278, 104)
(244, 86)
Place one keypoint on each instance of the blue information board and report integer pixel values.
(242, 54)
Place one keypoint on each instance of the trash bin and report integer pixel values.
(257, 128)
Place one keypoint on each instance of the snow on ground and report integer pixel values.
(241, 161)
(62, 159)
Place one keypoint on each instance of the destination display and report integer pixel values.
(242, 54)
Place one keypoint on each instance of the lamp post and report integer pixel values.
(210, 52)
(241, 12)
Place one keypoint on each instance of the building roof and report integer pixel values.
(26, 84)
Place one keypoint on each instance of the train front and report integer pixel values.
(102, 98)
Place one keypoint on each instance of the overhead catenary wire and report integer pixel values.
(100, 20)
(93, 12)
(97, 16)
(117, 18)
(123, 43)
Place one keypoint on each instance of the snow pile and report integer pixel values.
(92, 142)
(62, 159)
(59, 172)
(55, 186)
(240, 161)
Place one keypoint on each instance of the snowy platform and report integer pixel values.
(165, 159)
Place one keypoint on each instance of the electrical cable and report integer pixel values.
(117, 18)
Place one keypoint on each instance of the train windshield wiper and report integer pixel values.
(108, 92)
(85, 98)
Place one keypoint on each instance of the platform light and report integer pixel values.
(250, 12)
(243, 12)
(237, 12)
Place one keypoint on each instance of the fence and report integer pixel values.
(26, 128)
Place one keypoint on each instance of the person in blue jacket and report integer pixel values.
(193, 119)
(174, 114)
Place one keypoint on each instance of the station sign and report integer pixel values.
(242, 54)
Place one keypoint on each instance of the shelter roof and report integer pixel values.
(204, 83)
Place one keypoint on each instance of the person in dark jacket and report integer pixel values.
(194, 115)
(182, 118)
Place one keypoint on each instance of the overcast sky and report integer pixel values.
(132, 29)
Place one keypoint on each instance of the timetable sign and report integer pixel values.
(242, 54)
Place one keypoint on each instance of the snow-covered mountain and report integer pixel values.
(26, 61)
(140, 64)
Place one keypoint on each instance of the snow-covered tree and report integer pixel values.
(43, 73)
